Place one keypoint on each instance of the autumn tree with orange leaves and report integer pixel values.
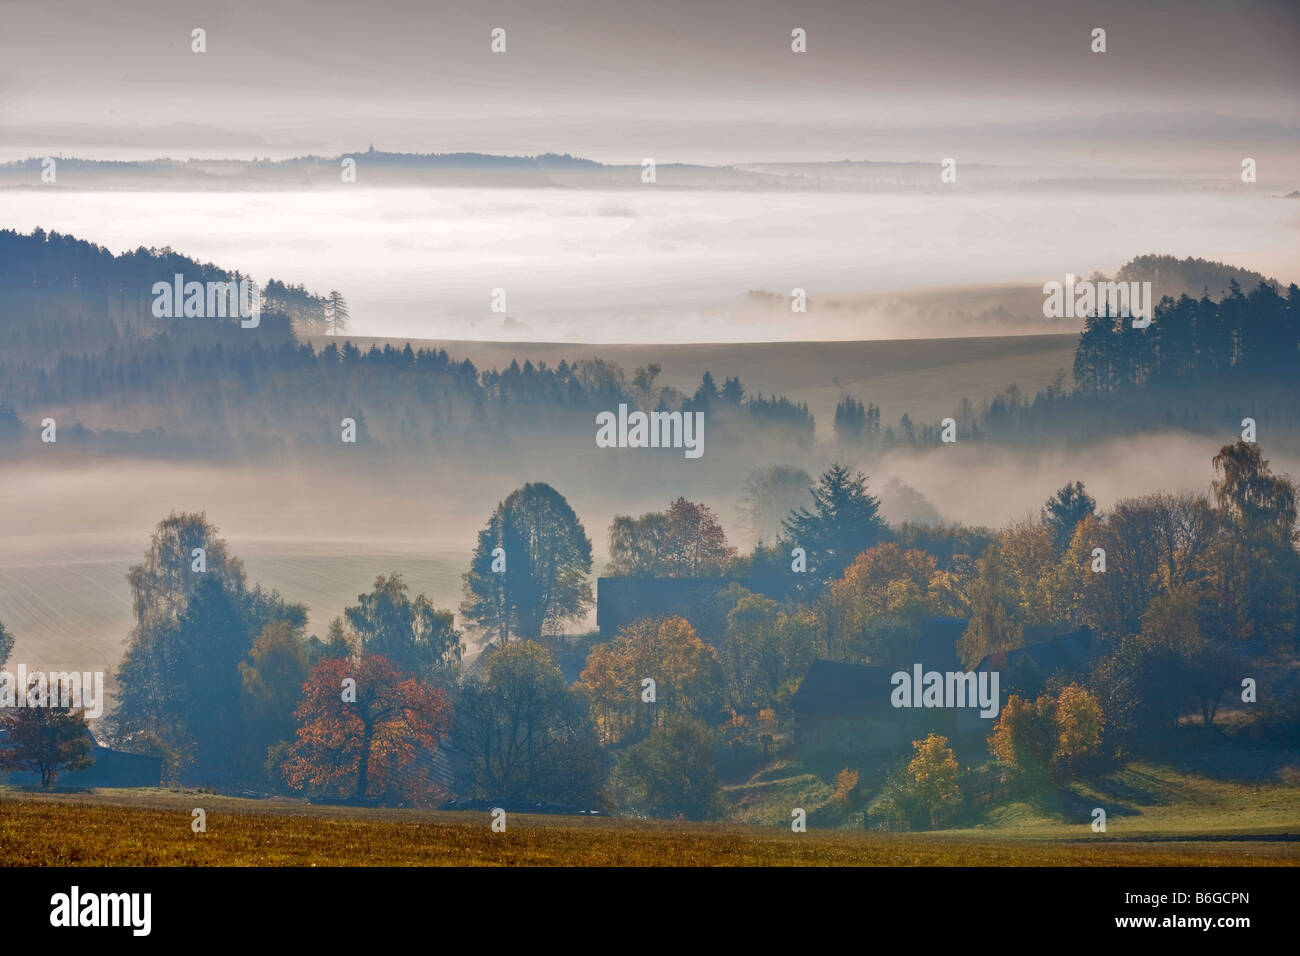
(366, 737)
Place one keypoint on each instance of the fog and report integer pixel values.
(993, 486)
(68, 534)
(648, 265)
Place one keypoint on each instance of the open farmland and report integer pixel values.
(924, 378)
(152, 828)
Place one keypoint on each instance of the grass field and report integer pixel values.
(153, 828)
(1146, 800)
(70, 605)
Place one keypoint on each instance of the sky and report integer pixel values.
(678, 80)
(1184, 90)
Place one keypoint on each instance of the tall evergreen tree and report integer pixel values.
(336, 312)
(850, 421)
(843, 522)
(1064, 511)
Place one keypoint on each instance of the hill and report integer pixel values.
(924, 378)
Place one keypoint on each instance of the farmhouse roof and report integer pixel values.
(1072, 650)
(833, 687)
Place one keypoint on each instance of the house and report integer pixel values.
(1047, 651)
(620, 601)
(847, 707)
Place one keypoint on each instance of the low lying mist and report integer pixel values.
(320, 536)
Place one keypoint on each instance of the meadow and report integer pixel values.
(925, 378)
(153, 828)
(68, 602)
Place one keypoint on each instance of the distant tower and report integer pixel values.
(372, 148)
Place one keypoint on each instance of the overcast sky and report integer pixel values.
(679, 80)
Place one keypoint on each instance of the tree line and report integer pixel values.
(80, 330)
(1202, 364)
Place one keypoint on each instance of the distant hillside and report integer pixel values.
(62, 295)
(1003, 309)
(380, 168)
(85, 347)
(1170, 276)
(366, 167)
(924, 378)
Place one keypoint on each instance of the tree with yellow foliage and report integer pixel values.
(881, 601)
(1048, 738)
(1079, 725)
(933, 773)
(686, 673)
(1013, 587)
(1023, 737)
